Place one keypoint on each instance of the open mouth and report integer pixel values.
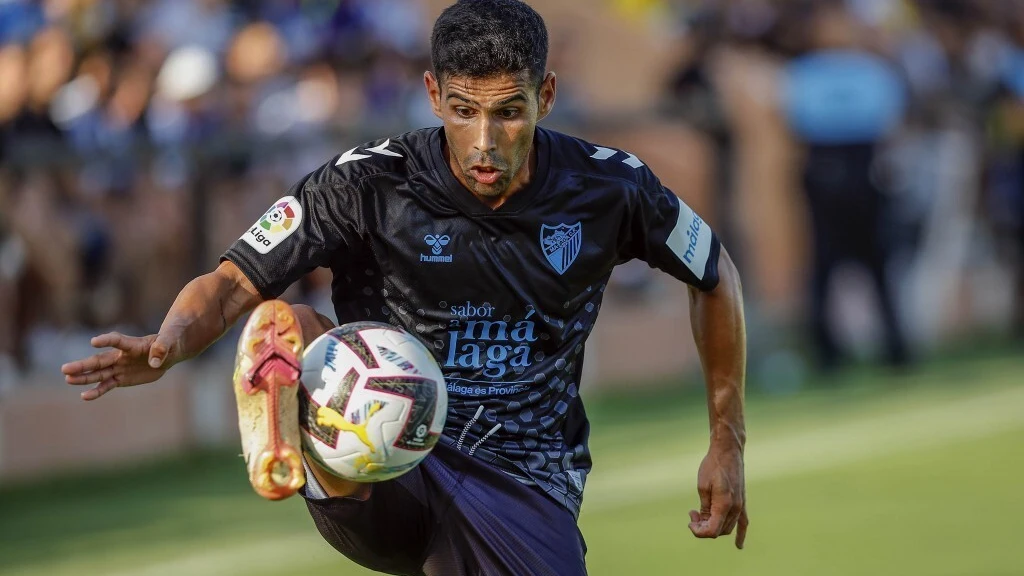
(485, 174)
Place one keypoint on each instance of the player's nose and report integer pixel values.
(486, 136)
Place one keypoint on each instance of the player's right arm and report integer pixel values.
(203, 311)
(303, 230)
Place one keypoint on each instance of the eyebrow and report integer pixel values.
(505, 102)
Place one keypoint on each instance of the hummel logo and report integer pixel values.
(381, 150)
(437, 244)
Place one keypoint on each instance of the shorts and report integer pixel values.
(453, 515)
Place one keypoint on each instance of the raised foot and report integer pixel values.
(266, 383)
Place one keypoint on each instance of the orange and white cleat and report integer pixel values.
(267, 370)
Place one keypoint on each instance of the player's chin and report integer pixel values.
(495, 190)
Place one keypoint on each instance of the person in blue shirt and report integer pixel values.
(841, 104)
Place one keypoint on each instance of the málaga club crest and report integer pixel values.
(561, 244)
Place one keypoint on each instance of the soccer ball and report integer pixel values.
(373, 401)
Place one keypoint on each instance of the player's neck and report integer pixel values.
(519, 182)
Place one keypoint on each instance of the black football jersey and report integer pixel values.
(505, 298)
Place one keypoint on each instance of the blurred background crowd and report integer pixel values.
(132, 140)
(862, 159)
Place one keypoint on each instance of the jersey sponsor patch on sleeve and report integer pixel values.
(690, 240)
(278, 223)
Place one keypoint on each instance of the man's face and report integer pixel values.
(489, 124)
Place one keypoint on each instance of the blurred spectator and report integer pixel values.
(1006, 186)
(842, 102)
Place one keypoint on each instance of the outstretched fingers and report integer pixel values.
(76, 372)
(90, 377)
(101, 389)
(130, 344)
(125, 362)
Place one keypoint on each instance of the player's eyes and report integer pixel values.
(464, 112)
(509, 113)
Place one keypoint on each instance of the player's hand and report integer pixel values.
(130, 361)
(723, 501)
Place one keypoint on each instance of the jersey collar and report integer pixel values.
(469, 203)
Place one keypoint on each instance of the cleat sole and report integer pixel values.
(267, 371)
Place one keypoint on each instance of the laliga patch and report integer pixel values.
(690, 240)
(278, 223)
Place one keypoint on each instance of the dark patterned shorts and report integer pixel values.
(454, 515)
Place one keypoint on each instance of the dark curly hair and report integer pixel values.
(482, 38)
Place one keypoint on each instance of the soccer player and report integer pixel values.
(492, 240)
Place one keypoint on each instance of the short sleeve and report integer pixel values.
(664, 232)
(316, 221)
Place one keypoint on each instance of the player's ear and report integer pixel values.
(433, 92)
(546, 95)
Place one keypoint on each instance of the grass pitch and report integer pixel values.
(918, 475)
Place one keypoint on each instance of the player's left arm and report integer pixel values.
(716, 318)
(667, 234)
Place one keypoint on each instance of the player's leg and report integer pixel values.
(386, 533)
(313, 325)
(266, 380)
(497, 525)
(267, 370)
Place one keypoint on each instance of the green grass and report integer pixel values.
(949, 510)
(865, 474)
